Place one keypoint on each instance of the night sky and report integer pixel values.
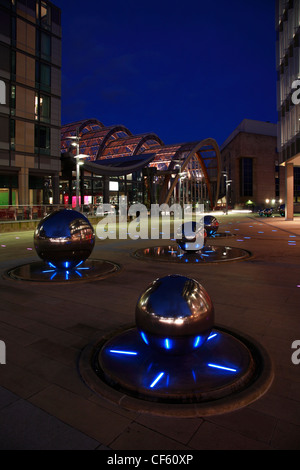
(185, 70)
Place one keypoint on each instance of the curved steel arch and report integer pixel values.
(89, 122)
(111, 131)
(144, 139)
(76, 128)
(197, 152)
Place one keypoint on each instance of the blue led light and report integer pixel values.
(157, 379)
(167, 343)
(216, 366)
(67, 275)
(49, 271)
(52, 265)
(197, 341)
(66, 264)
(79, 264)
(53, 276)
(79, 274)
(144, 337)
(126, 353)
(211, 336)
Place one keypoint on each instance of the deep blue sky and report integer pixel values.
(185, 70)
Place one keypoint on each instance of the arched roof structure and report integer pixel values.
(207, 153)
(103, 143)
(131, 145)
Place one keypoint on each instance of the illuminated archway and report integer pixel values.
(213, 156)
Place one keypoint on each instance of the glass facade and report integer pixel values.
(288, 71)
(246, 177)
(30, 140)
(186, 173)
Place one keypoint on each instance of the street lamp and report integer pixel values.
(227, 184)
(79, 162)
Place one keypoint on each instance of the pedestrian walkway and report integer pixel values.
(44, 403)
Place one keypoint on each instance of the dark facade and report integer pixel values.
(30, 108)
(251, 162)
(288, 103)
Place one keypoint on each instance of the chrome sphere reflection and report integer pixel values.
(175, 314)
(191, 236)
(64, 239)
(211, 225)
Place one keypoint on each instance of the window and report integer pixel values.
(27, 6)
(246, 177)
(43, 45)
(5, 24)
(5, 58)
(43, 76)
(45, 15)
(42, 107)
(42, 139)
(55, 15)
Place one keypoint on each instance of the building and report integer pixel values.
(30, 102)
(288, 103)
(117, 163)
(250, 162)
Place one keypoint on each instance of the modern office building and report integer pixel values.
(288, 94)
(117, 163)
(250, 163)
(30, 102)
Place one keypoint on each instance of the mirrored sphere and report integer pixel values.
(211, 225)
(175, 314)
(64, 239)
(191, 236)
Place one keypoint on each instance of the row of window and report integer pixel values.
(42, 138)
(42, 105)
(44, 13)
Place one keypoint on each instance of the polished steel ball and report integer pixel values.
(64, 239)
(211, 225)
(191, 236)
(175, 315)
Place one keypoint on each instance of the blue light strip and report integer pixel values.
(211, 336)
(167, 343)
(222, 367)
(197, 341)
(144, 337)
(157, 379)
(127, 353)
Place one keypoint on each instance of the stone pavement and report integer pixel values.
(44, 404)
